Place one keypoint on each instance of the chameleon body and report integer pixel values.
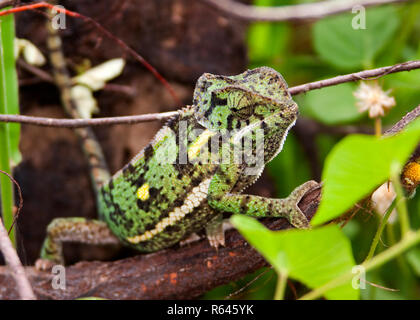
(195, 169)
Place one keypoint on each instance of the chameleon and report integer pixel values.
(189, 174)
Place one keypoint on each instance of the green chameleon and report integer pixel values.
(194, 170)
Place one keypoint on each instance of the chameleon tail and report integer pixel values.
(93, 151)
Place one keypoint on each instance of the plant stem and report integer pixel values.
(410, 239)
(400, 200)
(6, 187)
(281, 285)
(7, 102)
(379, 231)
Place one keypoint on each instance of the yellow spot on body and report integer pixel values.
(195, 147)
(143, 192)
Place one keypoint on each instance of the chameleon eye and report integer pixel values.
(242, 104)
(244, 112)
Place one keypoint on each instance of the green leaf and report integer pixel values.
(357, 165)
(332, 105)
(338, 43)
(313, 257)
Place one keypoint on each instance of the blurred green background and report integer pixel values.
(303, 52)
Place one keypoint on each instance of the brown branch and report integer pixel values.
(23, 287)
(408, 118)
(78, 123)
(299, 12)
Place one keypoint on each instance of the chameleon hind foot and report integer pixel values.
(79, 230)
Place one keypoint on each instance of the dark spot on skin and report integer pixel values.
(172, 228)
(215, 101)
(273, 80)
(195, 181)
(229, 122)
(251, 72)
(148, 152)
(128, 224)
(153, 192)
(177, 203)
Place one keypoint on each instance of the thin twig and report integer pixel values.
(16, 216)
(16, 268)
(306, 11)
(78, 123)
(362, 75)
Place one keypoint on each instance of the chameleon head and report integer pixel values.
(234, 102)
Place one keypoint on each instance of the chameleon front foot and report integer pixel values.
(215, 232)
(295, 216)
(44, 264)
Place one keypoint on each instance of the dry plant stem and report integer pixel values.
(378, 127)
(299, 12)
(12, 260)
(78, 123)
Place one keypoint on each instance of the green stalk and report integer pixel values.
(9, 133)
(379, 231)
(281, 285)
(400, 200)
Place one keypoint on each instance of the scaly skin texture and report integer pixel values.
(198, 165)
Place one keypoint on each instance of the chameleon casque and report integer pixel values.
(159, 199)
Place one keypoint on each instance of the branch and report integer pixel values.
(78, 123)
(23, 286)
(299, 12)
(400, 125)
